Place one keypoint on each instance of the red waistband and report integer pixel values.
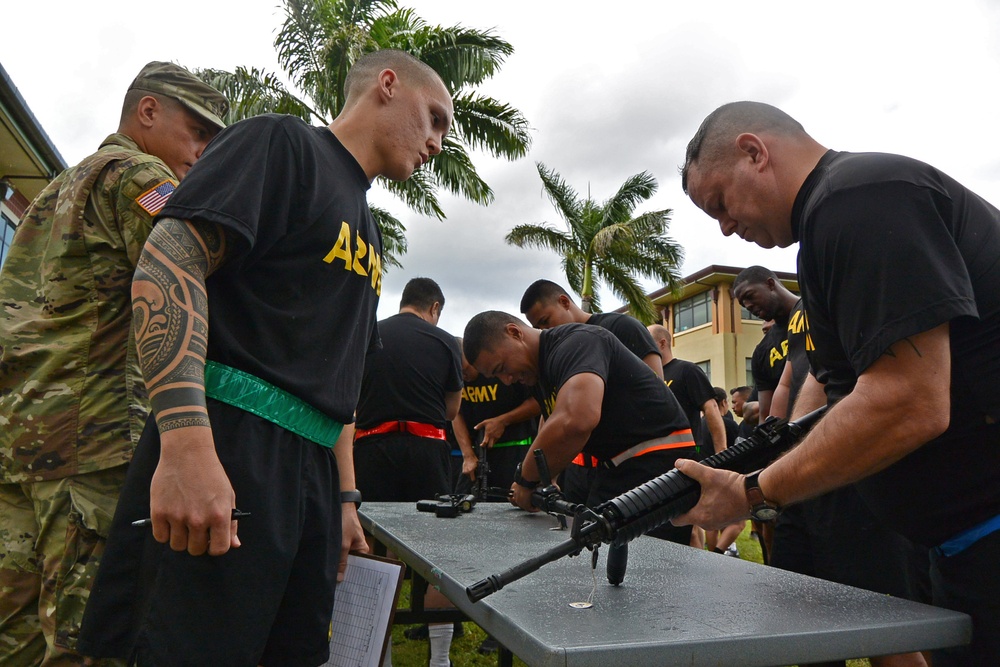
(413, 428)
(676, 440)
(582, 459)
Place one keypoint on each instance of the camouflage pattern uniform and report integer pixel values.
(72, 400)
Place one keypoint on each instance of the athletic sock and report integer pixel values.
(440, 638)
(387, 661)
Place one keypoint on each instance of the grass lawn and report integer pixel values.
(407, 653)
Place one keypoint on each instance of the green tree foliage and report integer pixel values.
(318, 42)
(604, 244)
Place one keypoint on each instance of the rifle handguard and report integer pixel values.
(654, 503)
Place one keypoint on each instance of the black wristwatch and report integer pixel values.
(761, 509)
(351, 497)
(522, 481)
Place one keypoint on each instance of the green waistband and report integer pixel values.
(250, 393)
(513, 443)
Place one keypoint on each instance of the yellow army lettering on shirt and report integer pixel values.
(778, 353)
(798, 324)
(483, 394)
(342, 250)
(550, 403)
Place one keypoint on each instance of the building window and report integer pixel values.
(706, 368)
(750, 371)
(6, 236)
(693, 312)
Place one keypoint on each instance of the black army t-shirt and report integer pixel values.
(629, 331)
(891, 247)
(485, 398)
(637, 405)
(768, 360)
(799, 345)
(691, 388)
(407, 378)
(294, 303)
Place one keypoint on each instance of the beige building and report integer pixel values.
(28, 160)
(709, 326)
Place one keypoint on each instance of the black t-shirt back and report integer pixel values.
(629, 331)
(637, 405)
(295, 301)
(891, 247)
(408, 378)
(691, 388)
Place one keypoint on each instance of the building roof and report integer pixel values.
(28, 158)
(710, 276)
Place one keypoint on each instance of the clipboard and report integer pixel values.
(363, 608)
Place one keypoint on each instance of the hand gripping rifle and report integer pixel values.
(633, 513)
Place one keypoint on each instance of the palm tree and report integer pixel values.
(605, 243)
(320, 40)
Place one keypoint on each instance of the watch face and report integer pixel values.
(765, 513)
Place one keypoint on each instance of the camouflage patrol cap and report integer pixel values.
(176, 82)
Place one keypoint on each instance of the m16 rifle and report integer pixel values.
(481, 487)
(652, 504)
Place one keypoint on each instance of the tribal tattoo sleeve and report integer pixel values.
(170, 317)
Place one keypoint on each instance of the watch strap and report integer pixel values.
(351, 497)
(761, 508)
(520, 481)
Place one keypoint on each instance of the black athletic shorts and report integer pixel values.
(969, 582)
(575, 482)
(268, 602)
(401, 467)
(837, 538)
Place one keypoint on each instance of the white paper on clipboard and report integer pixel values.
(364, 604)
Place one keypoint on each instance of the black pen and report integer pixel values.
(237, 514)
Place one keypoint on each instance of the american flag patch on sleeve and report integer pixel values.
(155, 198)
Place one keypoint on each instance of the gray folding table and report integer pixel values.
(677, 606)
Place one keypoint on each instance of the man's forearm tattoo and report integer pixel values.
(170, 318)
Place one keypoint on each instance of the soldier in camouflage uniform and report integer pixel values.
(72, 400)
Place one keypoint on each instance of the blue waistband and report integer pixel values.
(967, 538)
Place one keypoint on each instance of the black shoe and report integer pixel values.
(459, 630)
(416, 632)
(489, 646)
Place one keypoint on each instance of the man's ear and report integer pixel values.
(754, 147)
(387, 84)
(564, 301)
(147, 110)
(513, 330)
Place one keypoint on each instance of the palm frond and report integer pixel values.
(540, 236)
(252, 92)
(454, 170)
(485, 123)
(562, 196)
(393, 237)
(463, 56)
(417, 192)
(634, 191)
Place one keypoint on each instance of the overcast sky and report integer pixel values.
(610, 90)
